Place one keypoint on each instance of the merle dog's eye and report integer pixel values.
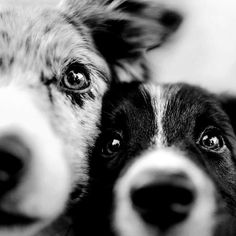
(211, 139)
(112, 145)
(75, 79)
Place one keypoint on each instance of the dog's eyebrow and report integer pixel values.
(101, 73)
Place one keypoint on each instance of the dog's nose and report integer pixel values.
(164, 200)
(13, 156)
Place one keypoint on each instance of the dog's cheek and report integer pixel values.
(223, 172)
(77, 127)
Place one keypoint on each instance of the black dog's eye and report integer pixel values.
(75, 79)
(112, 145)
(212, 140)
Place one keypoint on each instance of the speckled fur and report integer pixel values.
(36, 47)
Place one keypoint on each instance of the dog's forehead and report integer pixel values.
(177, 108)
(44, 40)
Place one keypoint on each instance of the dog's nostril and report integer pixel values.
(13, 156)
(163, 203)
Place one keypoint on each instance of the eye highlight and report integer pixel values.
(212, 140)
(75, 79)
(112, 145)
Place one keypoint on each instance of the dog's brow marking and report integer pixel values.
(159, 107)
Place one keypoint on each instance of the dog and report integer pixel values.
(55, 66)
(163, 165)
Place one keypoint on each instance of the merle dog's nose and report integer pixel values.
(165, 200)
(13, 156)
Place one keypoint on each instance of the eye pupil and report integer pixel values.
(72, 77)
(211, 140)
(113, 146)
(75, 79)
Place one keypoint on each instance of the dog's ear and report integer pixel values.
(229, 106)
(123, 30)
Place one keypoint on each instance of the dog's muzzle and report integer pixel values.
(164, 193)
(163, 199)
(34, 175)
(14, 155)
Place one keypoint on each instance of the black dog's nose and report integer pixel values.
(13, 156)
(165, 201)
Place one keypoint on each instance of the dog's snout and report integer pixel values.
(14, 154)
(164, 200)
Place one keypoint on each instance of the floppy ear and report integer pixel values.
(122, 30)
(229, 105)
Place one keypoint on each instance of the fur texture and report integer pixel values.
(55, 66)
(162, 135)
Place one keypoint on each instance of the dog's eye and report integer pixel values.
(212, 140)
(112, 145)
(75, 79)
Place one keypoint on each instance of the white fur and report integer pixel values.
(159, 106)
(201, 219)
(45, 187)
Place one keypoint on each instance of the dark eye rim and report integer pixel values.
(107, 137)
(222, 139)
(83, 70)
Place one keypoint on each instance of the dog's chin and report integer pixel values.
(133, 225)
(60, 227)
(24, 227)
(20, 224)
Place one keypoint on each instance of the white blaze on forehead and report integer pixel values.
(159, 106)
(201, 220)
(160, 96)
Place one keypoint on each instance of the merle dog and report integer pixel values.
(55, 65)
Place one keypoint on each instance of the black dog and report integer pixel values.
(164, 164)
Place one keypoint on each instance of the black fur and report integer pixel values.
(129, 111)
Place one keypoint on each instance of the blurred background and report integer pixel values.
(28, 2)
(203, 49)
